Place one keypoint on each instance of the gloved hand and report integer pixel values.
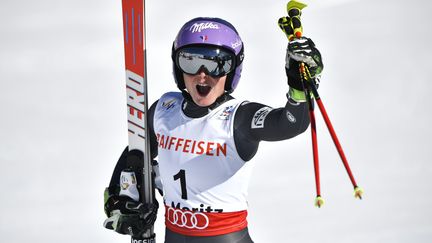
(300, 49)
(126, 216)
(303, 50)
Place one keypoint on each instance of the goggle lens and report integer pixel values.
(215, 62)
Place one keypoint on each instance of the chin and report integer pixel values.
(204, 102)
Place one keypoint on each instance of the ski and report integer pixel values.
(137, 99)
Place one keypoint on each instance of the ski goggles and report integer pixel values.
(214, 61)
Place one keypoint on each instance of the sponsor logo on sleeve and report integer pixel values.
(291, 118)
(259, 117)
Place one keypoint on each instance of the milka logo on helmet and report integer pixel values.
(198, 27)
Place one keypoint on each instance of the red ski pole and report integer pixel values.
(294, 11)
(357, 190)
(318, 200)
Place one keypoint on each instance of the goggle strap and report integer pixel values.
(240, 57)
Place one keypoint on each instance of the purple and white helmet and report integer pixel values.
(213, 32)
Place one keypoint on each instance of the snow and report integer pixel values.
(63, 122)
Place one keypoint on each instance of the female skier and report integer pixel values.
(204, 139)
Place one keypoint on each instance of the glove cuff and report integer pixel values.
(296, 95)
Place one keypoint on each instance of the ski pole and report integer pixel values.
(294, 12)
(319, 201)
(357, 190)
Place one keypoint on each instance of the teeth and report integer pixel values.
(203, 85)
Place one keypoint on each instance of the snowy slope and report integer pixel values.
(63, 117)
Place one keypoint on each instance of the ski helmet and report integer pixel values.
(211, 33)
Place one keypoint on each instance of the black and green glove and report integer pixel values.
(300, 49)
(129, 217)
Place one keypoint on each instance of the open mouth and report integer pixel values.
(203, 89)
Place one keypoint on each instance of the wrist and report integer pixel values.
(296, 95)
